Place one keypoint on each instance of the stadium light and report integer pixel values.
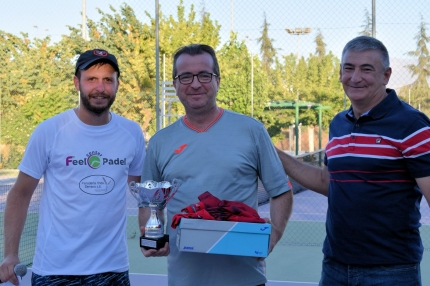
(297, 32)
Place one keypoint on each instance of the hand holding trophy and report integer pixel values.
(155, 195)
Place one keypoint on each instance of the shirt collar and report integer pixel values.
(381, 108)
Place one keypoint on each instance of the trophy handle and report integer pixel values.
(175, 186)
(133, 190)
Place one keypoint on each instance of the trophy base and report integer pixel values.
(153, 243)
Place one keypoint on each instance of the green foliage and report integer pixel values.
(320, 45)
(123, 35)
(267, 51)
(183, 30)
(36, 78)
(11, 158)
(419, 90)
(34, 86)
(234, 61)
(186, 30)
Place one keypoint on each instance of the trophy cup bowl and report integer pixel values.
(154, 195)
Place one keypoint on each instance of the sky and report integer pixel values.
(397, 21)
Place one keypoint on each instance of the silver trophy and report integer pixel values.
(155, 195)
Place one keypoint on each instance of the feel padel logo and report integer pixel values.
(94, 160)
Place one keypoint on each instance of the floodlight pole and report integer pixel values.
(84, 20)
(373, 18)
(252, 80)
(252, 85)
(231, 16)
(157, 70)
(297, 32)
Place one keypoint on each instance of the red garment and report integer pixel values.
(212, 208)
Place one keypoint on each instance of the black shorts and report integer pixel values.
(101, 279)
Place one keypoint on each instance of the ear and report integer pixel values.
(387, 75)
(76, 82)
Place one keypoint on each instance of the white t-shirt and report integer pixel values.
(82, 215)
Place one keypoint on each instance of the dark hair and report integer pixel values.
(364, 43)
(97, 63)
(192, 50)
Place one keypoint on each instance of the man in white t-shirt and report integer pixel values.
(86, 156)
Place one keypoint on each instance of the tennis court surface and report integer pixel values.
(295, 261)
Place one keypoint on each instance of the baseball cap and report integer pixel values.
(90, 57)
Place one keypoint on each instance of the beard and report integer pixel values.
(97, 110)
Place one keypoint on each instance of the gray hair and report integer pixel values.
(364, 43)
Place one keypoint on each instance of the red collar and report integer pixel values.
(187, 123)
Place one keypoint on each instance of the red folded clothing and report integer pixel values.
(212, 208)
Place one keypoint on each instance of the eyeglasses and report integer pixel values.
(188, 78)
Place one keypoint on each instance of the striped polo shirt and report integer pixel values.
(374, 202)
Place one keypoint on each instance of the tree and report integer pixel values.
(186, 29)
(133, 43)
(320, 45)
(32, 94)
(367, 24)
(267, 51)
(328, 91)
(420, 89)
(234, 61)
(45, 86)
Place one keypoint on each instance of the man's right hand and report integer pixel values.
(154, 252)
(7, 269)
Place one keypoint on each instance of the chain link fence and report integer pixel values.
(276, 53)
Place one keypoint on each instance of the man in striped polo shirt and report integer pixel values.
(377, 167)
